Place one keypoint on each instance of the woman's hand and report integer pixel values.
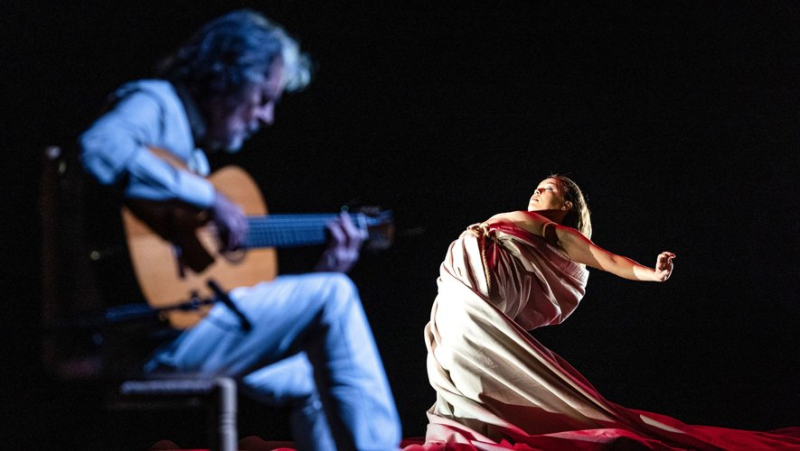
(663, 267)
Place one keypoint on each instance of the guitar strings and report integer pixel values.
(296, 229)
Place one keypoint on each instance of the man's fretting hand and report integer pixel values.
(344, 245)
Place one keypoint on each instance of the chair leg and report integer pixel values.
(227, 434)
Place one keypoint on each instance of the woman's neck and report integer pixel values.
(556, 216)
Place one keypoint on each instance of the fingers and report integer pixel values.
(238, 231)
(353, 232)
(664, 265)
(343, 248)
(230, 221)
(344, 232)
(664, 259)
(338, 233)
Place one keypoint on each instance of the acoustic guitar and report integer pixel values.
(174, 247)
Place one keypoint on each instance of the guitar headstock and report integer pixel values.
(379, 225)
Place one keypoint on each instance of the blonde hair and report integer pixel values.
(578, 217)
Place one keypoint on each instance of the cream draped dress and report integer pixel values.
(497, 385)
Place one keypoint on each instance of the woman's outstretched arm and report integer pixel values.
(583, 250)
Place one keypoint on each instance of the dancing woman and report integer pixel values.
(495, 384)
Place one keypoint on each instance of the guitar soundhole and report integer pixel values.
(234, 257)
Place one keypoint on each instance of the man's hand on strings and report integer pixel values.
(230, 221)
(344, 245)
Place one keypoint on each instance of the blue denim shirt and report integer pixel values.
(144, 114)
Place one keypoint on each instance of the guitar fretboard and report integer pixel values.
(288, 230)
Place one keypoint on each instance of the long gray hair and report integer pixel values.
(232, 51)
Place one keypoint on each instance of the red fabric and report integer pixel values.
(584, 440)
(621, 439)
(499, 389)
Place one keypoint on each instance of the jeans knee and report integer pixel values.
(340, 292)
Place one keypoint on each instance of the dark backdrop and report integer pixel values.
(679, 122)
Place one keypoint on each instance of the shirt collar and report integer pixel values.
(196, 121)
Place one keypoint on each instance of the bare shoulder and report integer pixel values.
(511, 216)
(527, 220)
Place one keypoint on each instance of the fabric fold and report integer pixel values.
(499, 388)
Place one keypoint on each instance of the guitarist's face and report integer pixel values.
(231, 121)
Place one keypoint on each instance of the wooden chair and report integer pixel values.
(89, 338)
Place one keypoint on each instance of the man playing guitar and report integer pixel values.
(309, 343)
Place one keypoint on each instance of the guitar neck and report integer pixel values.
(292, 230)
(174, 247)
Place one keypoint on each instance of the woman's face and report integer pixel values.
(549, 195)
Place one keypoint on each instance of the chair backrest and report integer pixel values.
(69, 288)
(85, 272)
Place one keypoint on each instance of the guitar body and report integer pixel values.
(169, 274)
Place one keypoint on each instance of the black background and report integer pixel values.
(679, 121)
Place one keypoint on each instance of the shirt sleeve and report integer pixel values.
(117, 145)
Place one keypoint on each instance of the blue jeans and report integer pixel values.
(310, 347)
